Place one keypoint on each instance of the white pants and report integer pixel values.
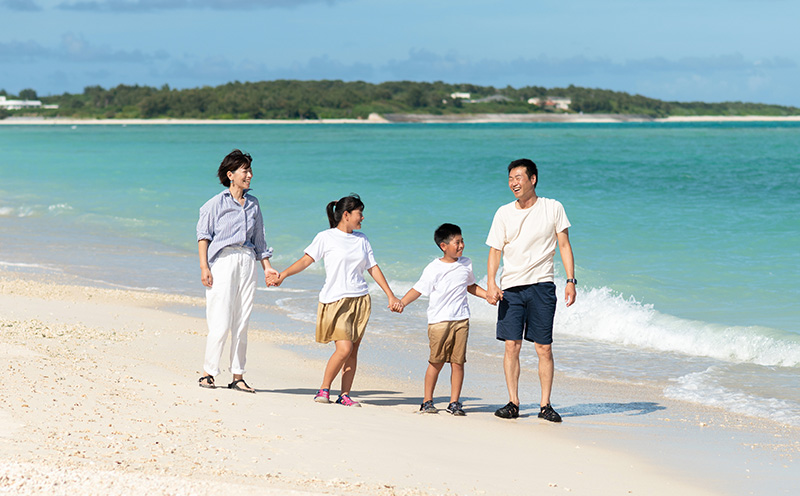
(229, 303)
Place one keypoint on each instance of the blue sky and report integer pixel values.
(709, 50)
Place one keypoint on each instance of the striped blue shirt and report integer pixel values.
(225, 222)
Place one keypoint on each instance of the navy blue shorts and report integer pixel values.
(527, 311)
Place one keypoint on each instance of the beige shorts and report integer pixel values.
(448, 341)
(343, 320)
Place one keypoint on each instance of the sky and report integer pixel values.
(676, 50)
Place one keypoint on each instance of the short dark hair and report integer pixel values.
(336, 209)
(530, 168)
(231, 163)
(445, 233)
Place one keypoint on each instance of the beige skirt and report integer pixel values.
(344, 319)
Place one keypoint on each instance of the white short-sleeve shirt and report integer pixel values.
(346, 256)
(527, 238)
(446, 286)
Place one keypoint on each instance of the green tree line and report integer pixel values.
(291, 99)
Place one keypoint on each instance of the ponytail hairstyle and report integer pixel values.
(336, 209)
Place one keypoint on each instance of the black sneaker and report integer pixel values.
(548, 413)
(427, 407)
(510, 411)
(455, 409)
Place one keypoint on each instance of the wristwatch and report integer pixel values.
(573, 281)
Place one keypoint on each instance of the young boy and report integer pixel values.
(446, 281)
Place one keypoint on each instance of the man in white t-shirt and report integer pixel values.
(446, 280)
(524, 234)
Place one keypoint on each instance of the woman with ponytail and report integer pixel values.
(344, 302)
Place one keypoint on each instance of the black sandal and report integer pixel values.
(209, 382)
(235, 385)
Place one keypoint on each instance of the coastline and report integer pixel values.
(118, 369)
(407, 118)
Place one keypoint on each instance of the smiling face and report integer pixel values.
(240, 178)
(520, 184)
(453, 249)
(351, 221)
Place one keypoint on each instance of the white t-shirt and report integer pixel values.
(346, 258)
(446, 285)
(527, 238)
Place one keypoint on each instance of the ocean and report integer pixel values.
(685, 236)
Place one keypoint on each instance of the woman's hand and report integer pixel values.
(271, 277)
(206, 277)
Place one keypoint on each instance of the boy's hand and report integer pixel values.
(395, 305)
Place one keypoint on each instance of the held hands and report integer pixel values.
(395, 305)
(272, 277)
(493, 294)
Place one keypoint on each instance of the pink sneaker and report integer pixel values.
(323, 396)
(346, 400)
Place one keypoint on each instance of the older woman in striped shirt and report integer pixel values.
(230, 238)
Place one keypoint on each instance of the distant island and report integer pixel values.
(399, 101)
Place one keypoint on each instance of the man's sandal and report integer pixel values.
(207, 381)
(235, 385)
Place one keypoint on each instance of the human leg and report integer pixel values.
(539, 329)
(431, 377)
(456, 380)
(511, 369)
(242, 307)
(218, 313)
(349, 368)
(511, 320)
(336, 362)
(546, 370)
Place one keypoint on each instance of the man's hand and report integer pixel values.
(493, 293)
(570, 293)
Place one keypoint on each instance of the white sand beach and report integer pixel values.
(100, 396)
(408, 118)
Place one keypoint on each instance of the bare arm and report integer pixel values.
(297, 267)
(569, 265)
(493, 292)
(271, 275)
(476, 290)
(376, 274)
(409, 298)
(205, 271)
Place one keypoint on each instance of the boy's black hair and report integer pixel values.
(445, 233)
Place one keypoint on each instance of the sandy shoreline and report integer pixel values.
(100, 397)
(408, 118)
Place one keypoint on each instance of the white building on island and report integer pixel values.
(22, 104)
(555, 102)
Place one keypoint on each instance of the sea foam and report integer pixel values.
(600, 314)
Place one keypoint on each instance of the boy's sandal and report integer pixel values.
(235, 385)
(207, 381)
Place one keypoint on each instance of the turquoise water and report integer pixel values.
(685, 235)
